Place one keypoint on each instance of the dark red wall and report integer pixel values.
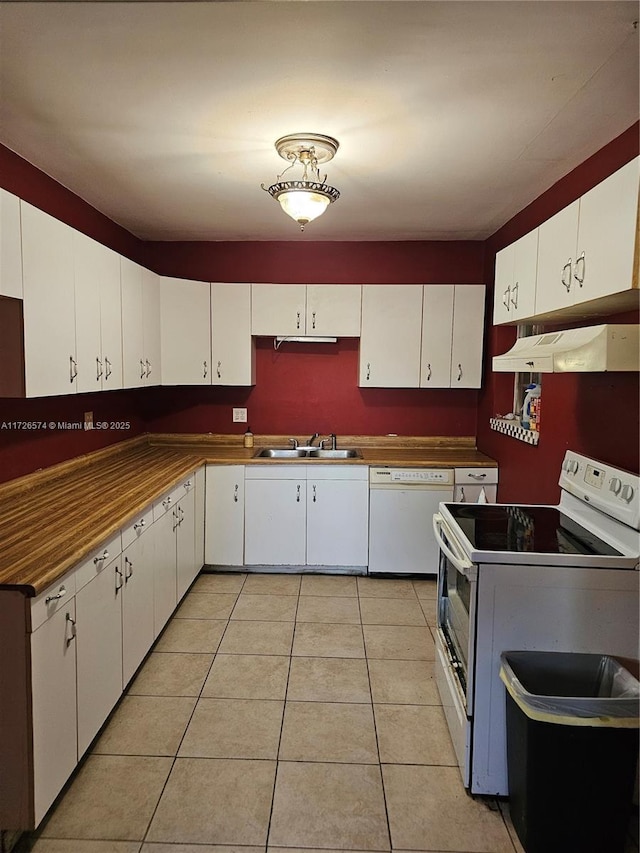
(595, 414)
(301, 389)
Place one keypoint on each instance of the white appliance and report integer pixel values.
(401, 503)
(587, 350)
(549, 578)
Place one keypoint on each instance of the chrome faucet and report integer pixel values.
(313, 438)
(294, 443)
(332, 439)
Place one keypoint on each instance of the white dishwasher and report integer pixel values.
(402, 502)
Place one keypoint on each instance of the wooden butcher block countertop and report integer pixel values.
(51, 520)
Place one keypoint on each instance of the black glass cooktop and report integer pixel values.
(539, 529)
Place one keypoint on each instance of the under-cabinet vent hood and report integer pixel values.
(591, 349)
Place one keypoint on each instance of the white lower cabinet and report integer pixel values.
(186, 564)
(474, 484)
(54, 714)
(99, 648)
(164, 570)
(338, 516)
(199, 513)
(224, 515)
(137, 602)
(306, 515)
(275, 516)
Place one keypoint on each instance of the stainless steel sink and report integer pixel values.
(310, 453)
(335, 454)
(279, 453)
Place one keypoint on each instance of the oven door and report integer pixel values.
(457, 580)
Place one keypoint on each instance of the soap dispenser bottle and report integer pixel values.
(248, 438)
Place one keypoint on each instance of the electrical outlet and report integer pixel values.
(239, 416)
(88, 420)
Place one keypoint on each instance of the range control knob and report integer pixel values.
(572, 466)
(627, 493)
(615, 485)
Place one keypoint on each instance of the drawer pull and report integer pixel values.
(477, 476)
(139, 524)
(61, 592)
(101, 559)
(166, 503)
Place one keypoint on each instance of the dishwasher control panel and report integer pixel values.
(411, 476)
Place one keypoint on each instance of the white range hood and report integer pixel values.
(588, 350)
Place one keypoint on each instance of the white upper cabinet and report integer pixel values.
(10, 246)
(515, 280)
(233, 360)
(390, 336)
(452, 336)
(468, 335)
(151, 327)
(133, 366)
(586, 254)
(333, 310)
(278, 309)
(141, 357)
(325, 310)
(48, 279)
(437, 336)
(98, 315)
(185, 332)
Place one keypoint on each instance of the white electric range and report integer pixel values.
(522, 577)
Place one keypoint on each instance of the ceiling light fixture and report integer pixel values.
(306, 198)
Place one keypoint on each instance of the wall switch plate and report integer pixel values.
(88, 420)
(239, 416)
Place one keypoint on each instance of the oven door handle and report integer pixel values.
(459, 560)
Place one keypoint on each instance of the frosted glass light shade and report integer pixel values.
(302, 205)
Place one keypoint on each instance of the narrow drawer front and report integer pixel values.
(476, 476)
(137, 527)
(97, 560)
(275, 472)
(52, 599)
(338, 472)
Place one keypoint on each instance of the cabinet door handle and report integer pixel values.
(108, 368)
(368, 370)
(72, 625)
(297, 320)
(462, 495)
(141, 369)
(514, 294)
(235, 493)
(102, 558)
(181, 511)
(298, 493)
(219, 374)
(204, 372)
(566, 275)
(428, 372)
(73, 368)
(314, 492)
(118, 579)
(99, 370)
(128, 569)
(148, 371)
(313, 320)
(59, 594)
(188, 484)
(506, 297)
(459, 372)
(580, 277)
(175, 520)
(139, 524)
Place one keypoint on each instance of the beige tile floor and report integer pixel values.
(280, 713)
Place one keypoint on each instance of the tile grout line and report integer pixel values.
(284, 708)
(175, 757)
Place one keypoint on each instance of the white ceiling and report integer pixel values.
(451, 116)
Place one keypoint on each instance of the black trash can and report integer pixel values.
(572, 750)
